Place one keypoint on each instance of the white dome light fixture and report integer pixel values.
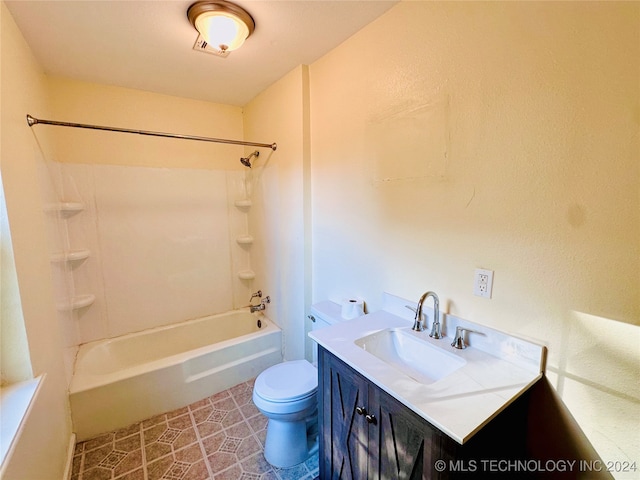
(223, 25)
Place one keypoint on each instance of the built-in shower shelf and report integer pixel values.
(78, 302)
(246, 275)
(66, 208)
(71, 256)
(243, 203)
(244, 239)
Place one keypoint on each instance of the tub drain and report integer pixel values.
(259, 323)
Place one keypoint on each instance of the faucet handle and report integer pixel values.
(256, 294)
(458, 340)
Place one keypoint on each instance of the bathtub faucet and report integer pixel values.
(261, 306)
(254, 295)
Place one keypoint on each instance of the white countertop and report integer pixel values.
(461, 403)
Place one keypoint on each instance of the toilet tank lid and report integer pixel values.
(329, 311)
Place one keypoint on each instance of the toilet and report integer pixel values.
(287, 394)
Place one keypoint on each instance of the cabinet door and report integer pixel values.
(399, 438)
(343, 447)
(389, 441)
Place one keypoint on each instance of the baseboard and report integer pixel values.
(68, 469)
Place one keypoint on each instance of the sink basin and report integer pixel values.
(414, 356)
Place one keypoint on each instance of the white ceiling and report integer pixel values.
(148, 44)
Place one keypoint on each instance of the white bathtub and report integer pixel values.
(123, 380)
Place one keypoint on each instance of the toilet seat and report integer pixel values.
(287, 382)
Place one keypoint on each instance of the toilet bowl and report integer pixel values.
(287, 395)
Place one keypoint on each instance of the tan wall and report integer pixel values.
(42, 448)
(278, 219)
(82, 102)
(449, 136)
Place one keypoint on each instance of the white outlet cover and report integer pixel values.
(483, 283)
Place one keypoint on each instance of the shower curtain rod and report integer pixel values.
(34, 121)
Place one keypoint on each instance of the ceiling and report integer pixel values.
(148, 44)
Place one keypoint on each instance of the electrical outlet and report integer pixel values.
(483, 283)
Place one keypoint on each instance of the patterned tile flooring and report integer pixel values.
(218, 438)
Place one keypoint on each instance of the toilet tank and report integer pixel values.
(324, 314)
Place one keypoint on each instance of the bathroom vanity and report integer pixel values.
(367, 434)
(382, 415)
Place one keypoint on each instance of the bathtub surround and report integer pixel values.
(163, 247)
(159, 214)
(160, 243)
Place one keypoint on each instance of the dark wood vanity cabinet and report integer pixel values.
(367, 435)
(344, 431)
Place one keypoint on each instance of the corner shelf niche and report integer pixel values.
(78, 302)
(67, 209)
(244, 239)
(71, 256)
(246, 275)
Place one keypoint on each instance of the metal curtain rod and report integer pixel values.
(33, 121)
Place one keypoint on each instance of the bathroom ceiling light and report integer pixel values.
(223, 25)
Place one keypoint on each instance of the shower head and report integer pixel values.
(246, 161)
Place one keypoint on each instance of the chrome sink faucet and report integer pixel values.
(418, 325)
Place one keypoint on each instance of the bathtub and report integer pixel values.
(123, 380)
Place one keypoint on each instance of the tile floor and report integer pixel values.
(218, 438)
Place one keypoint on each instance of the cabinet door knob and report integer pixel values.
(361, 410)
(371, 418)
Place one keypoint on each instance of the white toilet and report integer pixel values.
(287, 394)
